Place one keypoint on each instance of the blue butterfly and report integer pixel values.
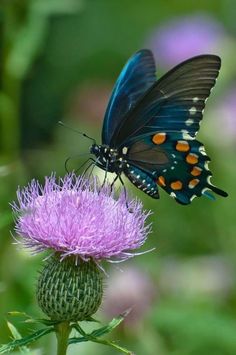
(150, 126)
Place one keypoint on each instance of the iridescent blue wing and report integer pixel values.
(135, 79)
(159, 133)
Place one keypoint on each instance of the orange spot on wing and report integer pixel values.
(193, 183)
(161, 181)
(176, 185)
(192, 158)
(196, 171)
(182, 146)
(159, 138)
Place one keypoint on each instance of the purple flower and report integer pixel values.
(185, 37)
(75, 216)
(130, 289)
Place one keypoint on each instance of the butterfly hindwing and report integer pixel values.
(137, 76)
(176, 163)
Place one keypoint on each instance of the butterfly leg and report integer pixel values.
(113, 182)
(75, 156)
(125, 192)
(88, 167)
(105, 177)
(81, 166)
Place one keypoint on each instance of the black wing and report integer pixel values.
(174, 103)
(135, 79)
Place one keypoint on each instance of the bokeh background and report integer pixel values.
(58, 61)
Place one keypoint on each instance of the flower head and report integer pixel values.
(76, 216)
(185, 37)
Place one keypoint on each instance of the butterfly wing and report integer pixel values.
(135, 79)
(160, 131)
(177, 165)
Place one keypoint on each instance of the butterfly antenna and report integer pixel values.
(75, 130)
(72, 157)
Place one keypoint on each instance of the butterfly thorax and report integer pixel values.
(108, 159)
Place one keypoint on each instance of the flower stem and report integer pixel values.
(63, 331)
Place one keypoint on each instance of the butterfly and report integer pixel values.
(150, 126)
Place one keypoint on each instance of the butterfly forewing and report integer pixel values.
(137, 76)
(174, 103)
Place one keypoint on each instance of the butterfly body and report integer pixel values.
(109, 159)
(150, 127)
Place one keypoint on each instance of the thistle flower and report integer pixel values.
(75, 216)
(82, 223)
(185, 37)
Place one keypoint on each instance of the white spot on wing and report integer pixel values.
(124, 150)
(186, 135)
(195, 99)
(189, 122)
(192, 197)
(206, 165)
(192, 110)
(202, 150)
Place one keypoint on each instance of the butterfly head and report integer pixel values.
(95, 149)
(108, 159)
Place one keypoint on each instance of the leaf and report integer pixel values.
(18, 314)
(112, 325)
(30, 319)
(99, 332)
(91, 319)
(17, 335)
(26, 340)
(47, 322)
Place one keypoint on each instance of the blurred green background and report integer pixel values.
(58, 61)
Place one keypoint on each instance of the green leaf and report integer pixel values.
(99, 332)
(91, 319)
(47, 322)
(18, 314)
(30, 319)
(112, 325)
(17, 335)
(26, 340)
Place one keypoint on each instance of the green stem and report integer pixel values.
(63, 331)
